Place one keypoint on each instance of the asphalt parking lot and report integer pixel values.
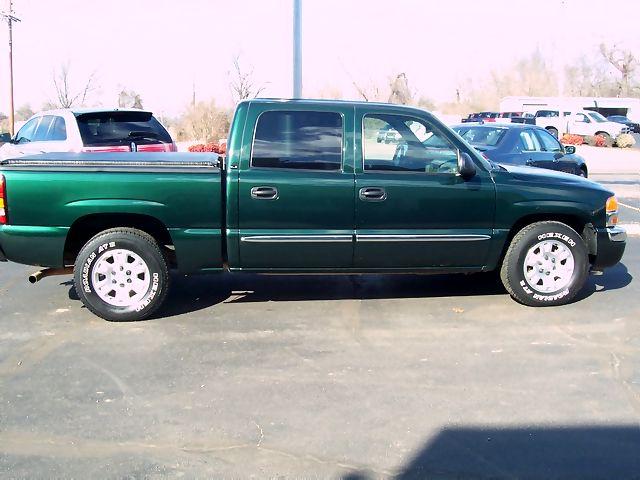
(342, 377)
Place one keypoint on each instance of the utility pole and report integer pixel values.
(10, 18)
(297, 49)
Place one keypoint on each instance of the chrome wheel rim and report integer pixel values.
(121, 278)
(548, 266)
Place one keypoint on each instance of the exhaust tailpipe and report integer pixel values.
(49, 272)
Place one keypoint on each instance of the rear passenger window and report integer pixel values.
(298, 139)
(529, 142)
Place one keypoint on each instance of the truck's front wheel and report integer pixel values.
(546, 264)
(121, 275)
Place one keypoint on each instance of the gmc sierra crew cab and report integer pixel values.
(305, 188)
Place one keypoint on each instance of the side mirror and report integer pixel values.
(569, 149)
(466, 167)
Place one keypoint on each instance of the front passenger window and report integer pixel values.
(416, 146)
(549, 142)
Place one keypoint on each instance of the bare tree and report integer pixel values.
(66, 96)
(242, 84)
(24, 112)
(625, 62)
(400, 91)
(204, 122)
(129, 99)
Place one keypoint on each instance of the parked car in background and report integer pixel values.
(581, 122)
(528, 118)
(481, 116)
(633, 126)
(89, 130)
(387, 135)
(521, 144)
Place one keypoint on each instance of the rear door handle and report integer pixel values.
(264, 193)
(372, 194)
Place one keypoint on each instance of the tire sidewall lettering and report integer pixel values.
(557, 236)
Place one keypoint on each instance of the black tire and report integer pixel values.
(583, 172)
(513, 265)
(553, 131)
(141, 248)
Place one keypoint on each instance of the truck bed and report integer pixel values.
(181, 191)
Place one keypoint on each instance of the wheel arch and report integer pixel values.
(577, 222)
(86, 227)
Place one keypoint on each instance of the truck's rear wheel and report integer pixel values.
(121, 275)
(546, 264)
(553, 131)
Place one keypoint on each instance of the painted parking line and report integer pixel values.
(629, 206)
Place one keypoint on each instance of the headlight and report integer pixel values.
(612, 211)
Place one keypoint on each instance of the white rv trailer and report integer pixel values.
(605, 105)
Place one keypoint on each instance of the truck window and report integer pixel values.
(417, 147)
(298, 139)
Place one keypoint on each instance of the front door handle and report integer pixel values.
(372, 194)
(529, 162)
(264, 193)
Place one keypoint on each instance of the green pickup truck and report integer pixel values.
(305, 188)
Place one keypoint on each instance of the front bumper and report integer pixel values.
(610, 245)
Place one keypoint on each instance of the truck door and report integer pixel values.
(296, 188)
(413, 210)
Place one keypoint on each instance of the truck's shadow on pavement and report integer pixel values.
(611, 279)
(536, 452)
(197, 292)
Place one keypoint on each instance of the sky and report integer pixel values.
(163, 48)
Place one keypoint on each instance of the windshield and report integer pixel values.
(597, 117)
(482, 135)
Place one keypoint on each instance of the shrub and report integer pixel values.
(210, 147)
(596, 141)
(570, 139)
(601, 141)
(625, 140)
